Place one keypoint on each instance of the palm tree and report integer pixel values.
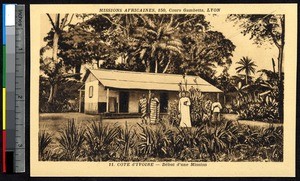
(247, 65)
(158, 43)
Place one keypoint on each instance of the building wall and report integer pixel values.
(97, 103)
(134, 97)
(91, 102)
(103, 94)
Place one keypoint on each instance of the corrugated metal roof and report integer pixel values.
(149, 81)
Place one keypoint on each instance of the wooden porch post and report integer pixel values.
(107, 100)
(149, 95)
(149, 98)
(118, 101)
(80, 101)
(218, 97)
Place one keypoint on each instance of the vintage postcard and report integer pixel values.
(163, 90)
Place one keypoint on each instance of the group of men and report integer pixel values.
(151, 107)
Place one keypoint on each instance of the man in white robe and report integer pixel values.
(216, 110)
(184, 110)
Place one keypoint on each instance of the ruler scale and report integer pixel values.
(19, 153)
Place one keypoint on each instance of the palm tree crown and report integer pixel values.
(247, 65)
(158, 41)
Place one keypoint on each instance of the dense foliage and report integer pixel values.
(222, 141)
(67, 98)
(264, 108)
(270, 29)
(259, 100)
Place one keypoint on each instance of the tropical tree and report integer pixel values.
(206, 50)
(225, 82)
(266, 28)
(53, 68)
(158, 43)
(247, 65)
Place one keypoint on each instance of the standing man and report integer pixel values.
(154, 109)
(143, 106)
(183, 83)
(184, 110)
(216, 109)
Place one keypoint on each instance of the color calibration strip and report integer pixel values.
(3, 164)
(13, 126)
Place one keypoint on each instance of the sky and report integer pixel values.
(262, 56)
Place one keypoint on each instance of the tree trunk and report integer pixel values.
(280, 60)
(55, 47)
(50, 98)
(148, 67)
(280, 84)
(77, 71)
(246, 79)
(156, 66)
(53, 92)
(167, 66)
(53, 87)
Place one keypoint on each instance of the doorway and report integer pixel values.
(124, 101)
(164, 100)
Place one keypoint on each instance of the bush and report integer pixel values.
(221, 141)
(101, 141)
(126, 142)
(173, 114)
(45, 140)
(200, 108)
(264, 109)
(71, 139)
(155, 142)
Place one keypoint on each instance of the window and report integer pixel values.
(91, 91)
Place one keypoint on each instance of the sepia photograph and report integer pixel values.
(161, 87)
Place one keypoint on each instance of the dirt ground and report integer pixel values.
(54, 121)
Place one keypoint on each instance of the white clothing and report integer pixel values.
(216, 107)
(184, 109)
